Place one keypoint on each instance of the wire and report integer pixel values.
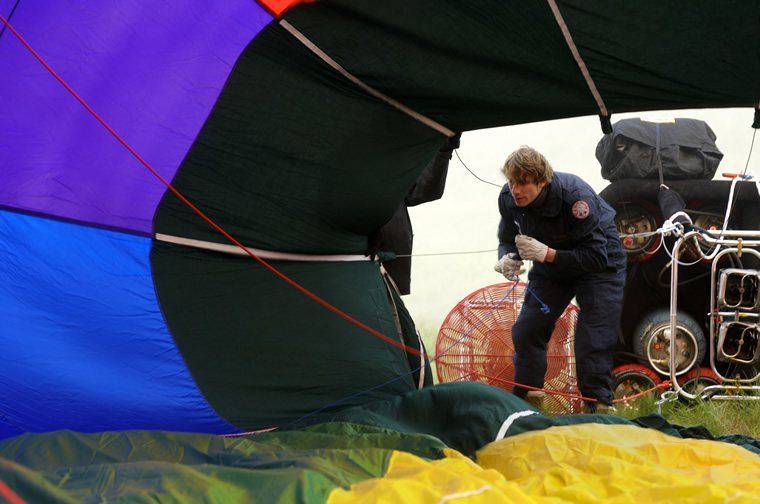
(749, 155)
(10, 16)
(661, 283)
(473, 173)
(528, 290)
(303, 290)
(396, 378)
(448, 253)
(733, 202)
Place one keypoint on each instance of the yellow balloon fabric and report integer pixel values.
(574, 463)
(413, 479)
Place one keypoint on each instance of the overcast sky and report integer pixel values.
(465, 219)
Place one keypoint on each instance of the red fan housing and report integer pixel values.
(475, 344)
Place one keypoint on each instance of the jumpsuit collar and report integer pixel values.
(552, 204)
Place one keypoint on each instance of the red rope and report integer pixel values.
(202, 215)
(540, 389)
(664, 384)
(9, 495)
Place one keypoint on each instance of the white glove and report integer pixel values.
(531, 249)
(510, 267)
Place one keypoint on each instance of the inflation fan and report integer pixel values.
(475, 344)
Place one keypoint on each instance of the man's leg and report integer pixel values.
(533, 329)
(600, 297)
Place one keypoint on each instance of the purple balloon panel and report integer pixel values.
(152, 70)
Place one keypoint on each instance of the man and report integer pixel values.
(557, 221)
(396, 235)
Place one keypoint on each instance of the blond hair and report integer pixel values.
(526, 165)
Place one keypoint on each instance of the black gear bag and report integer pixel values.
(685, 148)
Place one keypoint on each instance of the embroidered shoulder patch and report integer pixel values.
(580, 209)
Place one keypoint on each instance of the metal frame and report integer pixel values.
(739, 242)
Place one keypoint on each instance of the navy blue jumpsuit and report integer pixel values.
(589, 265)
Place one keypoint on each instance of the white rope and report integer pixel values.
(266, 254)
(577, 57)
(462, 252)
(423, 355)
(510, 420)
(729, 208)
(374, 92)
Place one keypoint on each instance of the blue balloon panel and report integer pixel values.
(84, 344)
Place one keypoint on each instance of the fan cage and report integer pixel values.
(475, 344)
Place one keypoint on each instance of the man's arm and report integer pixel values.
(507, 227)
(590, 255)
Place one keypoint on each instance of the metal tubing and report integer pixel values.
(714, 314)
(725, 239)
(674, 317)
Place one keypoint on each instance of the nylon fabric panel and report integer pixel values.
(151, 70)
(295, 158)
(264, 354)
(177, 467)
(464, 415)
(468, 65)
(293, 145)
(454, 478)
(84, 343)
(623, 463)
(673, 66)
(579, 463)
(487, 63)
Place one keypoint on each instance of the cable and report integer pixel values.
(394, 379)
(683, 282)
(669, 227)
(749, 155)
(528, 290)
(10, 16)
(303, 290)
(729, 207)
(473, 173)
(731, 201)
(448, 253)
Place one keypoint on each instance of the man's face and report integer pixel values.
(525, 193)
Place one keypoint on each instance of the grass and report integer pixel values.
(719, 417)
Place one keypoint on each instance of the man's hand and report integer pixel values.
(510, 267)
(531, 249)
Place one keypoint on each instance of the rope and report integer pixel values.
(473, 173)
(372, 91)
(603, 113)
(469, 374)
(464, 252)
(9, 495)
(570, 395)
(396, 378)
(266, 254)
(375, 387)
(746, 166)
(198, 212)
(399, 377)
(665, 384)
(10, 16)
